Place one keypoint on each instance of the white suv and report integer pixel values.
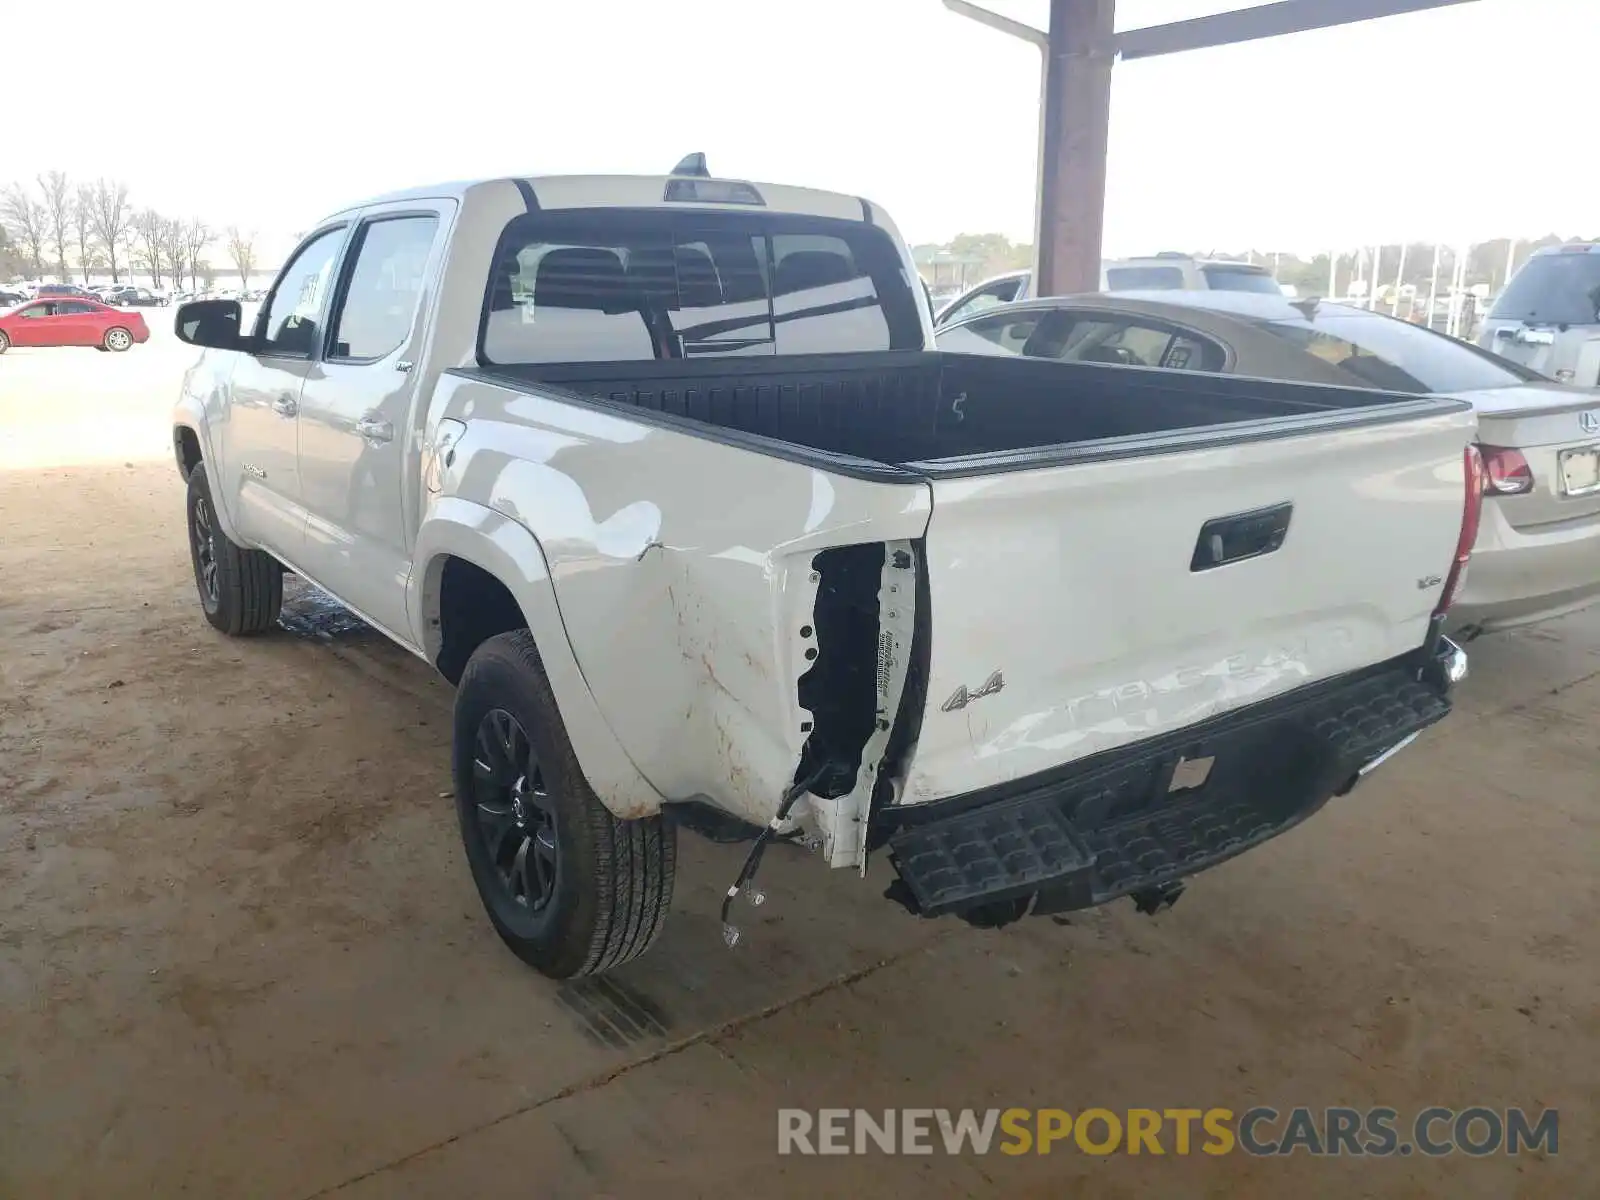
(1167, 272)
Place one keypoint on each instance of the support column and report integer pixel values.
(1077, 119)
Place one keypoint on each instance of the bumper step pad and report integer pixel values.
(1117, 828)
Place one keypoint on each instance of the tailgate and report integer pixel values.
(1080, 607)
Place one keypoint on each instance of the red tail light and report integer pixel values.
(1477, 480)
(1506, 471)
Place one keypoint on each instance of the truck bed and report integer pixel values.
(940, 412)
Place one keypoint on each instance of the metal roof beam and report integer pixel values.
(1263, 21)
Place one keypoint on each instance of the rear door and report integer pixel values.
(1077, 608)
(355, 410)
(79, 323)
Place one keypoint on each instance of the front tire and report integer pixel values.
(5, 343)
(241, 591)
(571, 889)
(117, 339)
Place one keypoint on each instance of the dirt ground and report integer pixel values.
(240, 954)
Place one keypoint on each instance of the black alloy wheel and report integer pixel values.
(516, 817)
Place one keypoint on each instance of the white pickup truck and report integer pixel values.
(664, 475)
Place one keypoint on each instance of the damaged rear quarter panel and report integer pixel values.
(683, 571)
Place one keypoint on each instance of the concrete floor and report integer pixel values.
(240, 953)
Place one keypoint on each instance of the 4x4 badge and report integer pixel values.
(960, 698)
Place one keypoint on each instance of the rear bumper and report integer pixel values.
(1517, 577)
(1115, 825)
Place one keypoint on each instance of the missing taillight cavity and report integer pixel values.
(840, 688)
(1506, 471)
(1476, 483)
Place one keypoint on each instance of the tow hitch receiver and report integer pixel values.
(1152, 900)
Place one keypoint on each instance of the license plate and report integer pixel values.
(1580, 470)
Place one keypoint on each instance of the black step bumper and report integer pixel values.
(1123, 822)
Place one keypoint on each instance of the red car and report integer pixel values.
(75, 321)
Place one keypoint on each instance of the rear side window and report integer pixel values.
(379, 304)
(641, 286)
(1116, 340)
(1556, 289)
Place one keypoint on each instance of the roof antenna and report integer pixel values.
(692, 164)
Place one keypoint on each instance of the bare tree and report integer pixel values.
(57, 215)
(174, 244)
(150, 234)
(197, 236)
(242, 249)
(25, 220)
(12, 262)
(83, 224)
(111, 219)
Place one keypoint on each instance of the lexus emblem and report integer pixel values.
(1590, 421)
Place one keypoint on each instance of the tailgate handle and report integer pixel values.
(1226, 540)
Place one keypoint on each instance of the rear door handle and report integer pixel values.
(286, 405)
(375, 429)
(1245, 535)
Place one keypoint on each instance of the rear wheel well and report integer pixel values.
(186, 445)
(474, 606)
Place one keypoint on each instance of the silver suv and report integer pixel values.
(1548, 316)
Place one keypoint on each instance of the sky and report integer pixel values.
(1467, 122)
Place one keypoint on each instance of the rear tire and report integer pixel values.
(5, 343)
(117, 339)
(241, 591)
(571, 889)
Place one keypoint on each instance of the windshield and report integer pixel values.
(1380, 352)
(1557, 289)
(1222, 278)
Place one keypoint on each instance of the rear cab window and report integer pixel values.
(642, 285)
(1553, 289)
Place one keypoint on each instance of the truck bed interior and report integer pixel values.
(923, 407)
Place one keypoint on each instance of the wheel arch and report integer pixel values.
(477, 570)
(191, 448)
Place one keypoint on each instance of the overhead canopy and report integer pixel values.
(1079, 48)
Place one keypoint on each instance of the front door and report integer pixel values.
(356, 415)
(261, 445)
(37, 325)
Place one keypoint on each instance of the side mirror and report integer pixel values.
(211, 323)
